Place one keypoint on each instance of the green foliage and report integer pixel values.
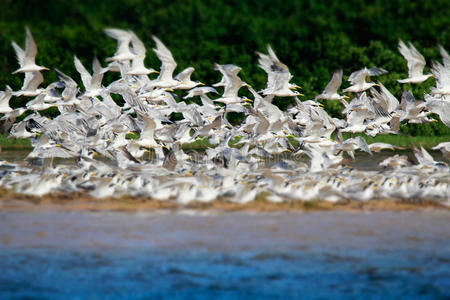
(13, 144)
(404, 141)
(313, 38)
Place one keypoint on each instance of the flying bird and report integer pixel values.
(416, 64)
(27, 57)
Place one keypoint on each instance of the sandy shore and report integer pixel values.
(10, 201)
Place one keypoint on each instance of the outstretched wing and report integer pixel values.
(416, 62)
(30, 48)
(85, 76)
(165, 56)
(334, 83)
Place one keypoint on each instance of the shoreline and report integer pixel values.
(10, 201)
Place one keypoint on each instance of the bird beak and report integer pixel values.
(346, 97)
(391, 148)
(297, 87)
(169, 90)
(321, 105)
(376, 84)
(248, 100)
(157, 72)
(301, 95)
(201, 83)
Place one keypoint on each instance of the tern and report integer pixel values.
(416, 64)
(358, 79)
(27, 57)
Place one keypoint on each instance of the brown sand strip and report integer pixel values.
(84, 202)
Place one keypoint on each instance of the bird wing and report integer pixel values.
(185, 75)
(150, 125)
(123, 38)
(85, 76)
(263, 124)
(410, 103)
(334, 83)
(20, 53)
(445, 56)
(391, 101)
(441, 74)
(5, 95)
(277, 72)
(32, 81)
(377, 71)
(381, 100)
(423, 157)
(70, 85)
(232, 85)
(416, 62)
(441, 108)
(67, 80)
(376, 108)
(138, 45)
(358, 77)
(30, 48)
(165, 56)
(231, 82)
(97, 75)
(362, 144)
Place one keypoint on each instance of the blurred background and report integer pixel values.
(314, 38)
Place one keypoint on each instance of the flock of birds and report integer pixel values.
(298, 154)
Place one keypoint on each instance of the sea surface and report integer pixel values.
(217, 255)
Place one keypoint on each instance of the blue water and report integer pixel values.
(322, 255)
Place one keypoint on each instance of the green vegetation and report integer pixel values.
(313, 38)
(396, 140)
(14, 144)
(405, 141)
